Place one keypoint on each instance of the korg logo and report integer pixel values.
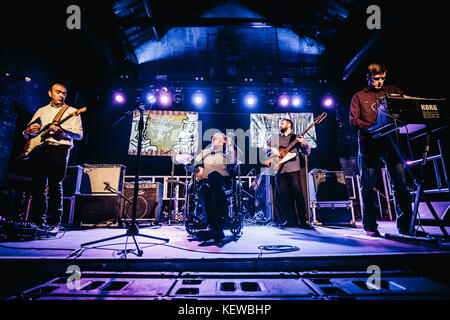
(426, 107)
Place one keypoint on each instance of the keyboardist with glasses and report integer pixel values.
(374, 152)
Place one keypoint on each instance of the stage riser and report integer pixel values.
(309, 286)
(442, 209)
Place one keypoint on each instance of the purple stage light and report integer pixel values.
(198, 99)
(283, 100)
(328, 102)
(165, 98)
(250, 100)
(296, 101)
(119, 98)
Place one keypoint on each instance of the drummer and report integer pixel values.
(213, 165)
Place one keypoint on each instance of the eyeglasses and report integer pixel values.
(378, 78)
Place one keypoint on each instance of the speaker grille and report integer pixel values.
(330, 186)
(149, 201)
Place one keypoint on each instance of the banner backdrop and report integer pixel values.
(166, 133)
(264, 125)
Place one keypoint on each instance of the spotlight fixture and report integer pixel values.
(119, 98)
(250, 100)
(164, 97)
(178, 97)
(151, 97)
(198, 99)
(328, 102)
(283, 100)
(296, 101)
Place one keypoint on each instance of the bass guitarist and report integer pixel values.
(48, 162)
(287, 178)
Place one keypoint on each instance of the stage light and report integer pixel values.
(178, 98)
(198, 99)
(119, 97)
(283, 100)
(250, 100)
(151, 97)
(296, 101)
(328, 102)
(164, 97)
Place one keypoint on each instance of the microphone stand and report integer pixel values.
(132, 228)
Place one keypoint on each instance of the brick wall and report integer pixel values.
(18, 98)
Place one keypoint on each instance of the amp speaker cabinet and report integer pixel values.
(96, 210)
(96, 175)
(149, 202)
(328, 198)
(328, 186)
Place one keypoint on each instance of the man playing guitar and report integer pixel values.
(48, 162)
(287, 178)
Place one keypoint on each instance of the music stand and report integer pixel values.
(132, 228)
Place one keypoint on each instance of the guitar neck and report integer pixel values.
(60, 122)
(293, 143)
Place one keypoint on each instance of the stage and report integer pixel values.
(328, 262)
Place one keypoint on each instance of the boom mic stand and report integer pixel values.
(132, 228)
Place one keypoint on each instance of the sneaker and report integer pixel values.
(47, 231)
(375, 234)
(204, 235)
(306, 226)
(218, 235)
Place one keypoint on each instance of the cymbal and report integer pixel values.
(183, 158)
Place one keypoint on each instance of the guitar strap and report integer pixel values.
(292, 138)
(60, 113)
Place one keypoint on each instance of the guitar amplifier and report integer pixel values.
(95, 210)
(96, 175)
(149, 202)
(327, 186)
(332, 212)
(328, 198)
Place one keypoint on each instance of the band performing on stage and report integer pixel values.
(214, 192)
(230, 150)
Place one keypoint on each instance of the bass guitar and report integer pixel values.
(277, 162)
(44, 133)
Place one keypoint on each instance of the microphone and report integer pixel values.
(107, 185)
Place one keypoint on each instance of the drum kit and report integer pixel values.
(194, 212)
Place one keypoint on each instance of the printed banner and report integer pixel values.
(264, 125)
(166, 133)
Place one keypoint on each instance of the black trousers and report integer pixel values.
(216, 200)
(49, 165)
(372, 156)
(291, 199)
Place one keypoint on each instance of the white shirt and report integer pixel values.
(72, 127)
(216, 161)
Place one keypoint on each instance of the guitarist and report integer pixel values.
(287, 178)
(48, 162)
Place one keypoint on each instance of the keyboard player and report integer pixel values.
(374, 152)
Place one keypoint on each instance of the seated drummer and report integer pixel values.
(212, 164)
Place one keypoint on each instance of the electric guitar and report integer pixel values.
(44, 133)
(277, 162)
